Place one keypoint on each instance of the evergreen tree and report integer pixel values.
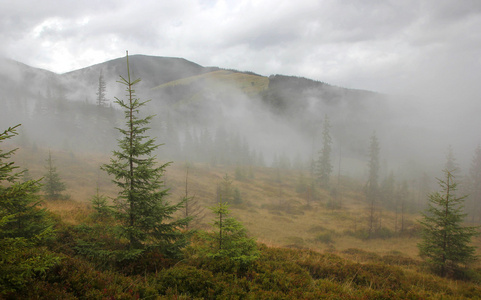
(372, 190)
(103, 119)
(474, 182)
(101, 100)
(192, 208)
(53, 186)
(230, 242)
(101, 207)
(324, 164)
(225, 190)
(451, 164)
(24, 227)
(387, 191)
(146, 217)
(445, 242)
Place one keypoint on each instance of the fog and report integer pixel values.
(419, 60)
(221, 119)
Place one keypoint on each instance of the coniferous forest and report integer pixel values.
(157, 178)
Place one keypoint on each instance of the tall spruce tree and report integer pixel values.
(53, 185)
(101, 100)
(445, 241)
(324, 164)
(146, 217)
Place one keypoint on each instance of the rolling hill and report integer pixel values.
(272, 116)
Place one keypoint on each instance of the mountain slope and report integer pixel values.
(273, 116)
(152, 70)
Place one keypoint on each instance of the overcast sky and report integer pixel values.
(387, 46)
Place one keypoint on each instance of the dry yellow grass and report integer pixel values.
(248, 83)
(296, 226)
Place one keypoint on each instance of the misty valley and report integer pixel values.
(209, 183)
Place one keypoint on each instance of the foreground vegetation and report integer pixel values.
(279, 273)
(325, 259)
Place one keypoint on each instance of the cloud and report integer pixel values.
(388, 46)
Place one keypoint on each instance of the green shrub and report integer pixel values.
(151, 261)
(282, 276)
(21, 263)
(80, 279)
(186, 280)
(325, 237)
(231, 286)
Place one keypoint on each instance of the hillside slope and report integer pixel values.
(272, 116)
(271, 207)
(325, 260)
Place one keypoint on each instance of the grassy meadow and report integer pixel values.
(271, 209)
(308, 250)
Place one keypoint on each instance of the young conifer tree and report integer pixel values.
(53, 186)
(19, 198)
(145, 215)
(24, 227)
(230, 242)
(99, 203)
(445, 242)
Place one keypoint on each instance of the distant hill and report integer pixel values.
(152, 70)
(199, 110)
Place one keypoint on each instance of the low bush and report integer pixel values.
(186, 280)
(77, 279)
(325, 237)
(376, 276)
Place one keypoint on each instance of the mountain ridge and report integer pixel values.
(118, 64)
(275, 114)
